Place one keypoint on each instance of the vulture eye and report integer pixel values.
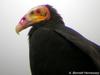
(32, 12)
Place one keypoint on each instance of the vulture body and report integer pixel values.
(59, 50)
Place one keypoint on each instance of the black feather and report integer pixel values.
(53, 52)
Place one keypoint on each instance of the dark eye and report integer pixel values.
(32, 12)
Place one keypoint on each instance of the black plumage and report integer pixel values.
(53, 50)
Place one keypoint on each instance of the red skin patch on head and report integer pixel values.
(38, 11)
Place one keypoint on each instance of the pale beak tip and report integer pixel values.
(17, 29)
(17, 33)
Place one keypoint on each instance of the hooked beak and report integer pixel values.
(23, 24)
(18, 29)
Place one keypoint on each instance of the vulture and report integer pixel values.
(55, 49)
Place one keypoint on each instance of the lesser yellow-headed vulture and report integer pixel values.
(54, 48)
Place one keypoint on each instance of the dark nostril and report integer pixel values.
(23, 18)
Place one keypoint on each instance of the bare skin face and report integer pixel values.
(35, 15)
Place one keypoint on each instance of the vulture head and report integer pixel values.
(40, 15)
